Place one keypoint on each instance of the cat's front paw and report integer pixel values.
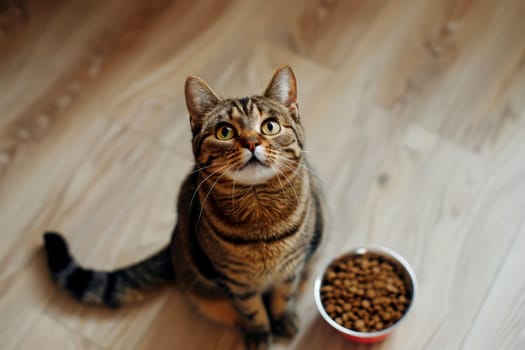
(257, 341)
(286, 326)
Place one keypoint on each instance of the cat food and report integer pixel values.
(364, 293)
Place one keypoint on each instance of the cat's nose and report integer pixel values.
(250, 142)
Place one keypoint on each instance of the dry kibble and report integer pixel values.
(379, 284)
(386, 266)
(359, 324)
(364, 293)
(392, 288)
(327, 288)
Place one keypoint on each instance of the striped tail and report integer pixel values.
(112, 288)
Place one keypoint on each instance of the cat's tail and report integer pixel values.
(112, 288)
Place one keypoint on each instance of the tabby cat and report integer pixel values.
(249, 218)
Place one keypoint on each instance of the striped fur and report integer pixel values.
(249, 217)
(112, 288)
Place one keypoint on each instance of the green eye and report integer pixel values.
(270, 127)
(225, 132)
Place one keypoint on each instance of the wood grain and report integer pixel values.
(415, 120)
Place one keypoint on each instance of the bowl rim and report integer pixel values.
(361, 250)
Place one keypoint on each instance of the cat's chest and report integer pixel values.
(269, 262)
(255, 208)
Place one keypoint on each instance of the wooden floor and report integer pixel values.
(415, 120)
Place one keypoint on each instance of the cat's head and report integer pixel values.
(249, 140)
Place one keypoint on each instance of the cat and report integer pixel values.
(250, 216)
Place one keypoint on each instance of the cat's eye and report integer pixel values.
(225, 132)
(270, 127)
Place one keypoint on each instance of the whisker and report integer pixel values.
(228, 157)
(209, 191)
(278, 172)
(296, 173)
(293, 188)
(200, 169)
(304, 166)
(233, 189)
(202, 182)
(311, 151)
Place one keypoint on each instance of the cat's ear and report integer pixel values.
(283, 88)
(200, 99)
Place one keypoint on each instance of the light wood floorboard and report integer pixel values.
(415, 120)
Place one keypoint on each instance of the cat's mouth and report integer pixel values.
(253, 162)
(253, 170)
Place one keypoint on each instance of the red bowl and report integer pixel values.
(407, 274)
